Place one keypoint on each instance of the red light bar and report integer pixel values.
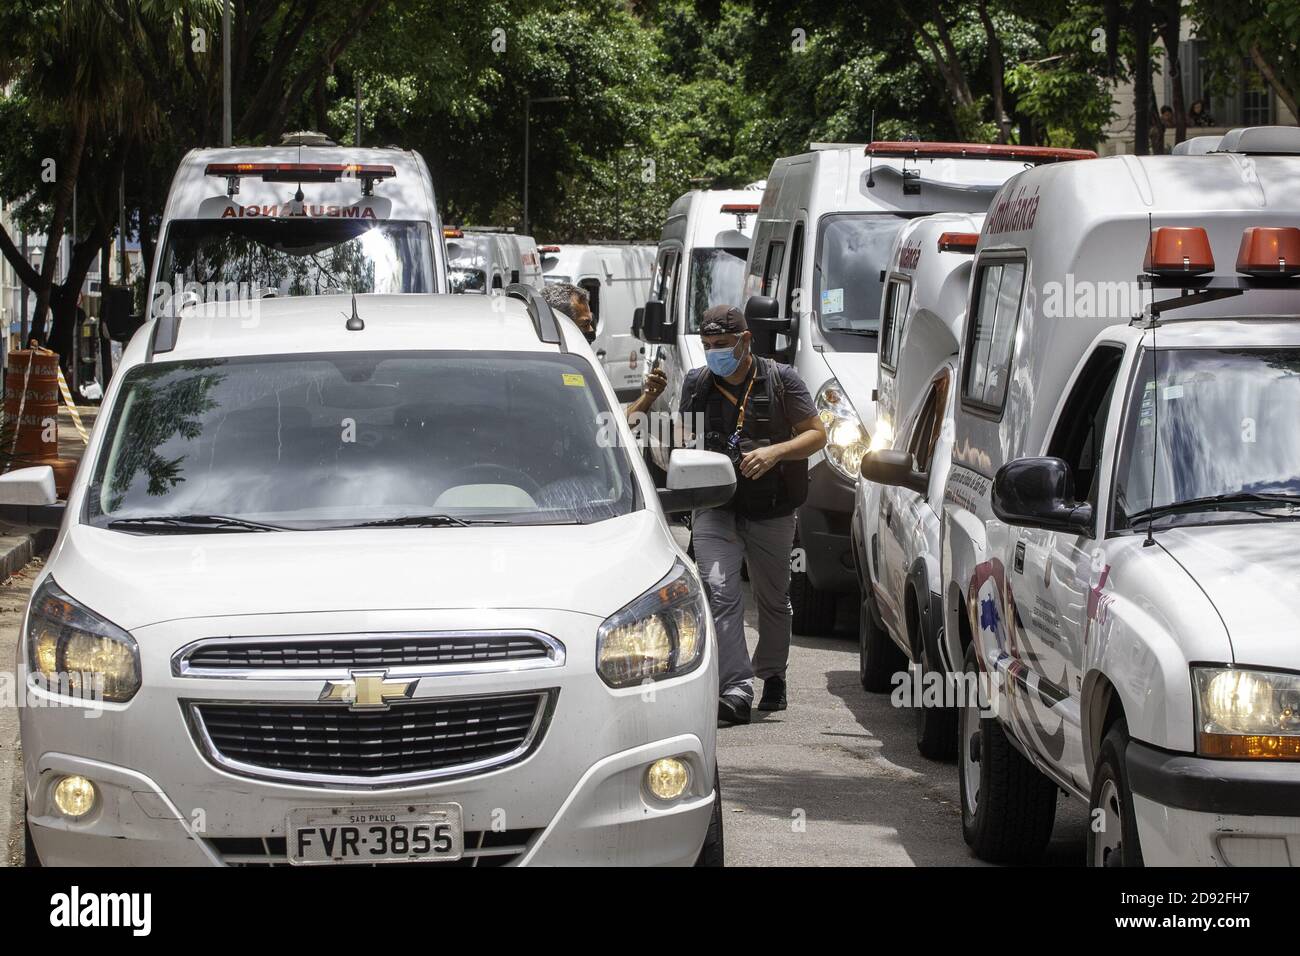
(548, 248)
(1028, 154)
(301, 172)
(1269, 251)
(958, 241)
(740, 208)
(452, 232)
(1178, 251)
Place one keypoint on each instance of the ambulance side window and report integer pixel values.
(772, 270)
(929, 424)
(793, 305)
(897, 295)
(991, 333)
(1081, 429)
(592, 288)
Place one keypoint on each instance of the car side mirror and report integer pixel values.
(893, 466)
(1039, 493)
(657, 327)
(697, 479)
(28, 498)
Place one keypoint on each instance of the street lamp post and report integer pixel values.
(528, 110)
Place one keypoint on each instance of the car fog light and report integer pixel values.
(668, 778)
(74, 796)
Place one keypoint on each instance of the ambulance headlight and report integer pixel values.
(846, 440)
(661, 634)
(73, 651)
(1247, 713)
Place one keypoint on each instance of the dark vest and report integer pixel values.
(785, 487)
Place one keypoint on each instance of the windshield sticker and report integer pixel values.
(291, 210)
(832, 301)
(574, 379)
(1171, 391)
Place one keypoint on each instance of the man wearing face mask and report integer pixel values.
(570, 300)
(759, 413)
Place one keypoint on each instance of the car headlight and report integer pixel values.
(1247, 713)
(660, 634)
(75, 652)
(846, 440)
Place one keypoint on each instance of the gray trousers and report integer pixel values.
(722, 539)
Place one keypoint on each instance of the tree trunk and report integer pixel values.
(1142, 92)
(996, 69)
(1284, 93)
(1171, 32)
(67, 181)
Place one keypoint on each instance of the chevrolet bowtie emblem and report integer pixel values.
(367, 690)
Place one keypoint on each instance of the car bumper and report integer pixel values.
(1194, 811)
(825, 524)
(578, 797)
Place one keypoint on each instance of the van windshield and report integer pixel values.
(851, 252)
(1228, 447)
(717, 278)
(252, 258)
(319, 441)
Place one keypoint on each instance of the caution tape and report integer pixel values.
(72, 408)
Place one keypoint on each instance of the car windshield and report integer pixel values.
(225, 259)
(717, 277)
(330, 440)
(1228, 445)
(851, 252)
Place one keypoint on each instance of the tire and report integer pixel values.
(879, 658)
(1111, 806)
(1009, 817)
(814, 610)
(30, 856)
(936, 727)
(711, 854)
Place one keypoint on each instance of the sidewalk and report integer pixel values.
(19, 545)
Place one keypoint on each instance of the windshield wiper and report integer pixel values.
(169, 523)
(1217, 503)
(423, 521)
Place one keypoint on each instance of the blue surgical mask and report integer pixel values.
(722, 362)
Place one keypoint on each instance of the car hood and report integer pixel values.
(138, 580)
(857, 373)
(1251, 574)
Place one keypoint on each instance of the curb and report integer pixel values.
(19, 545)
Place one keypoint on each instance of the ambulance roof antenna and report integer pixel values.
(1155, 399)
(355, 322)
(871, 157)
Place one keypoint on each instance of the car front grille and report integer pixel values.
(260, 657)
(482, 848)
(332, 745)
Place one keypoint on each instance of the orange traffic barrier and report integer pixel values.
(31, 426)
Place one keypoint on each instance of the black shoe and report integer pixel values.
(733, 709)
(773, 694)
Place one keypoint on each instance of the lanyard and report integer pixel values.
(743, 403)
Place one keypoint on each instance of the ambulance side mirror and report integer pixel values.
(1039, 493)
(657, 327)
(893, 466)
(638, 322)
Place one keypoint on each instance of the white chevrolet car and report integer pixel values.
(368, 580)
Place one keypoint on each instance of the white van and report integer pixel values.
(364, 582)
(895, 532)
(487, 260)
(1121, 562)
(303, 218)
(616, 278)
(813, 290)
(700, 263)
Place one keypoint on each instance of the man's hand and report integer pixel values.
(655, 383)
(760, 461)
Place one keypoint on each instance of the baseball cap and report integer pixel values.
(723, 320)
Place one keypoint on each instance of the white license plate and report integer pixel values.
(399, 834)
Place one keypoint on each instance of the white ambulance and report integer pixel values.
(1121, 558)
(896, 521)
(616, 278)
(813, 289)
(700, 264)
(306, 217)
(487, 260)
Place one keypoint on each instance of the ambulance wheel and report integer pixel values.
(1007, 806)
(814, 610)
(711, 852)
(1112, 835)
(30, 856)
(879, 659)
(936, 727)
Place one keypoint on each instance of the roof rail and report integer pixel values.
(543, 316)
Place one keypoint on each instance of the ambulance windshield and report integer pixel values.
(851, 252)
(255, 258)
